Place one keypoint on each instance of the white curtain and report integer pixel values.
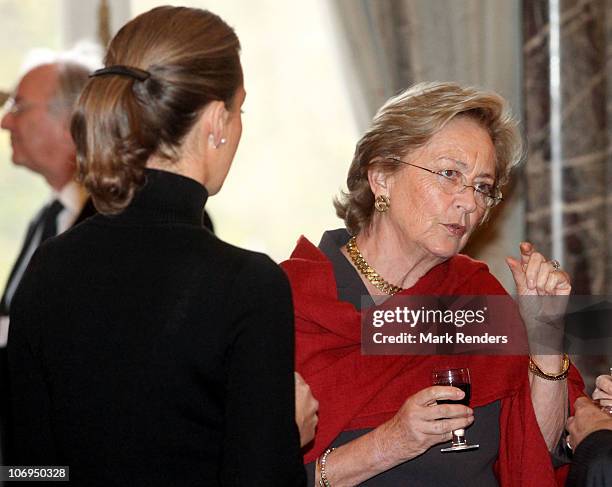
(391, 44)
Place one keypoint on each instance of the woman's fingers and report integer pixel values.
(526, 249)
(534, 273)
(604, 384)
(526, 270)
(545, 272)
(446, 426)
(442, 411)
(604, 399)
(451, 411)
(430, 395)
(436, 418)
(603, 390)
(558, 282)
(517, 272)
(551, 283)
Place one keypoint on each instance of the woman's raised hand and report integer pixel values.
(543, 291)
(536, 276)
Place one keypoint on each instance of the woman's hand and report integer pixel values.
(306, 407)
(543, 293)
(418, 425)
(603, 390)
(422, 423)
(536, 276)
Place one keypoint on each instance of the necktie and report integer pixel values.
(49, 220)
(45, 226)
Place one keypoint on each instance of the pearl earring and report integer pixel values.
(211, 140)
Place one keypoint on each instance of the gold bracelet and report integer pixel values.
(536, 370)
(323, 482)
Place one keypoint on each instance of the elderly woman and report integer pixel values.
(424, 177)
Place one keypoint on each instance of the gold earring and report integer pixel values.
(382, 203)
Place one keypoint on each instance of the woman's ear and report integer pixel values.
(378, 179)
(214, 117)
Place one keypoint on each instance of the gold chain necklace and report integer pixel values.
(368, 271)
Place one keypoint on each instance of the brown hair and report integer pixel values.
(408, 121)
(192, 57)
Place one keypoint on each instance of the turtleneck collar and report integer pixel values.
(168, 197)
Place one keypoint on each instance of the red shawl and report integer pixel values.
(356, 391)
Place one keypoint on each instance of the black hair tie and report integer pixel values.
(136, 73)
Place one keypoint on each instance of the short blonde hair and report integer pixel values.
(408, 121)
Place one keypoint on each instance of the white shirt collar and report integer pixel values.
(72, 196)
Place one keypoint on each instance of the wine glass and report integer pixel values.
(459, 378)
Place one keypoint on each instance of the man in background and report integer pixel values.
(38, 119)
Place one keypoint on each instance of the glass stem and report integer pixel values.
(459, 437)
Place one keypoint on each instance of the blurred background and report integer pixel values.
(316, 71)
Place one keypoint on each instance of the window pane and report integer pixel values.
(299, 133)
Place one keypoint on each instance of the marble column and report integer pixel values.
(568, 169)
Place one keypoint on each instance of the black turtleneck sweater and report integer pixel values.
(144, 351)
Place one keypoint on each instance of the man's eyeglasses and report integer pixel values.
(452, 181)
(17, 107)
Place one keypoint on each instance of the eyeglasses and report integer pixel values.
(17, 107)
(452, 181)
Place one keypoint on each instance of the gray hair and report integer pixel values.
(71, 79)
(73, 69)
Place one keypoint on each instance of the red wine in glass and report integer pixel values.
(459, 378)
(467, 388)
